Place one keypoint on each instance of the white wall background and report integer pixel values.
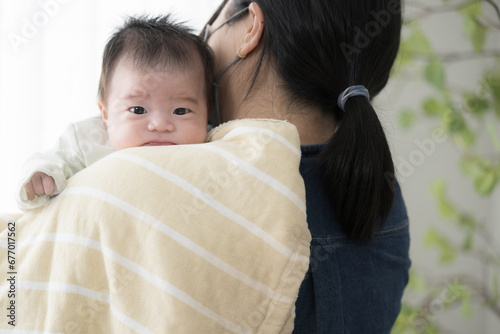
(50, 56)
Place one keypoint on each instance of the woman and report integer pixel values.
(317, 64)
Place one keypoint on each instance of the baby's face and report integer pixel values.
(154, 107)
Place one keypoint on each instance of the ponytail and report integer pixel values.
(355, 163)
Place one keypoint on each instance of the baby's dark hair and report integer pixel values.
(155, 41)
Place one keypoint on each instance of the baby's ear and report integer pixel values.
(102, 108)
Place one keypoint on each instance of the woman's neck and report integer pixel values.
(268, 101)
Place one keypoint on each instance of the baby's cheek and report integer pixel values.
(190, 133)
(115, 143)
(201, 136)
(116, 140)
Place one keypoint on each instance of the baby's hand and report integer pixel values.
(39, 184)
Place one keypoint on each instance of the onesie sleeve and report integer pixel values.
(61, 162)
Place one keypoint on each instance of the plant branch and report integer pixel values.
(490, 23)
(431, 10)
(458, 56)
(481, 291)
(492, 259)
(476, 287)
(495, 6)
(468, 55)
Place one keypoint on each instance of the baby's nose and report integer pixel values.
(160, 123)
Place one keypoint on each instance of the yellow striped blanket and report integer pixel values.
(206, 238)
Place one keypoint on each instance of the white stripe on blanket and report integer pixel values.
(193, 190)
(18, 331)
(272, 182)
(177, 237)
(137, 269)
(70, 288)
(246, 129)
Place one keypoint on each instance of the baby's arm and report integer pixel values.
(44, 175)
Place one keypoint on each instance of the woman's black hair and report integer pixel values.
(319, 48)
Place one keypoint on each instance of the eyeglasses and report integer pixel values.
(207, 34)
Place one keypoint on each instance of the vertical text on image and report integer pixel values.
(11, 273)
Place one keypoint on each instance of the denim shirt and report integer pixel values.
(350, 288)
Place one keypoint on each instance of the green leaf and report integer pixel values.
(496, 294)
(467, 222)
(458, 289)
(433, 107)
(432, 238)
(416, 42)
(473, 165)
(461, 292)
(413, 320)
(492, 84)
(406, 320)
(447, 252)
(466, 309)
(446, 209)
(495, 139)
(416, 282)
(483, 173)
(477, 33)
(468, 244)
(474, 29)
(486, 182)
(464, 138)
(403, 60)
(468, 166)
(439, 188)
(407, 118)
(473, 8)
(477, 105)
(434, 73)
(453, 121)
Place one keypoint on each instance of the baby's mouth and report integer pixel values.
(159, 143)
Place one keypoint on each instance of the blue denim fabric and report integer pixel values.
(350, 288)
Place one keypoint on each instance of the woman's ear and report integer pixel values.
(255, 31)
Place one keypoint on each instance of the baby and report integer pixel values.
(155, 89)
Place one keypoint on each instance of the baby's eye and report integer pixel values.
(181, 111)
(138, 110)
